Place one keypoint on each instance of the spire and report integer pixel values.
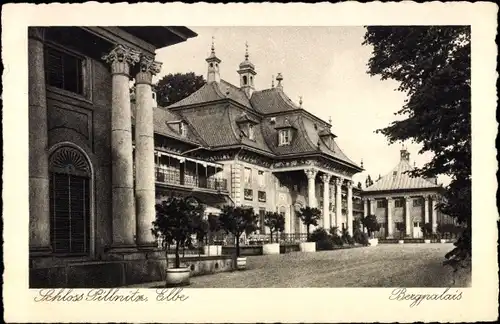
(404, 154)
(247, 73)
(213, 61)
(300, 101)
(362, 164)
(272, 81)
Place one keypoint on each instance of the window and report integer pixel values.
(248, 194)
(262, 196)
(399, 203)
(262, 213)
(245, 80)
(417, 202)
(394, 173)
(262, 179)
(182, 129)
(69, 200)
(380, 203)
(63, 70)
(251, 132)
(248, 175)
(284, 137)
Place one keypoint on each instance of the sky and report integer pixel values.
(327, 66)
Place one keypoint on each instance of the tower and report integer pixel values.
(247, 73)
(213, 66)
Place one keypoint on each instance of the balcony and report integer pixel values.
(173, 176)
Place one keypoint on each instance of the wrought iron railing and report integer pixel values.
(173, 176)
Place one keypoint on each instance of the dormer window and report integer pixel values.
(251, 134)
(182, 129)
(285, 137)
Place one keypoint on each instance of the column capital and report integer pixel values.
(349, 184)
(388, 198)
(121, 58)
(426, 197)
(325, 177)
(338, 182)
(406, 197)
(147, 68)
(37, 33)
(311, 173)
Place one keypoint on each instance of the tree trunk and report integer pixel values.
(177, 258)
(307, 227)
(238, 246)
(271, 236)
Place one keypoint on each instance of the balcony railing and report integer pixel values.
(173, 176)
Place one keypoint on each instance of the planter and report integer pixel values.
(272, 248)
(373, 242)
(212, 250)
(401, 241)
(427, 241)
(308, 247)
(442, 240)
(177, 277)
(241, 263)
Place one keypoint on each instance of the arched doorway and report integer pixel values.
(70, 195)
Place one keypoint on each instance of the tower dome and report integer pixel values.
(247, 73)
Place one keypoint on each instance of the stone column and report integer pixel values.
(408, 225)
(434, 214)
(338, 203)
(389, 217)
(373, 206)
(365, 207)
(349, 208)
(311, 186)
(122, 59)
(326, 200)
(144, 152)
(39, 233)
(426, 209)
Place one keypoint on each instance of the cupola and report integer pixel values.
(213, 61)
(247, 74)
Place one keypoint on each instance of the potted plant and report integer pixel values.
(276, 223)
(309, 216)
(201, 230)
(213, 227)
(427, 231)
(371, 224)
(236, 221)
(176, 221)
(400, 227)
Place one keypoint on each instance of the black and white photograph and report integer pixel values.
(180, 156)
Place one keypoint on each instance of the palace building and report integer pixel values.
(255, 148)
(98, 161)
(397, 198)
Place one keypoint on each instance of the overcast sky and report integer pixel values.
(325, 65)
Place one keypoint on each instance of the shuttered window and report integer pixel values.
(69, 204)
(63, 70)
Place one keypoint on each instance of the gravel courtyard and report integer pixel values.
(388, 265)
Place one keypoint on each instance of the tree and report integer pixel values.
(426, 230)
(432, 65)
(237, 220)
(309, 216)
(275, 221)
(175, 87)
(371, 224)
(213, 226)
(368, 181)
(176, 220)
(400, 226)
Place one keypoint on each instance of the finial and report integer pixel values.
(272, 81)
(300, 101)
(330, 120)
(361, 163)
(213, 46)
(246, 50)
(279, 78)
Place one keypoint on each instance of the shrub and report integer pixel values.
(336, 239)
(371, 224)
(426, 230)
(322, 238)
(346, 237)
(360, 237)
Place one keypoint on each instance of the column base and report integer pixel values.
(39, 251)
(150, 246)
(122, 248)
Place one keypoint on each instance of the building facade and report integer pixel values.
(85, 209)
(257, 147)
(402, 204)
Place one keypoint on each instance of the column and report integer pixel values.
(434, 214)
(311, 186)
(389, 217)
(39, 221)
(365, 207)
(338, 203)
(349, 208)
(373, 206)
(144, 152)
(426, 209)
(121, 59)
(408, 225)
(326, 200)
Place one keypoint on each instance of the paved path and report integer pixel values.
(387, 265)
